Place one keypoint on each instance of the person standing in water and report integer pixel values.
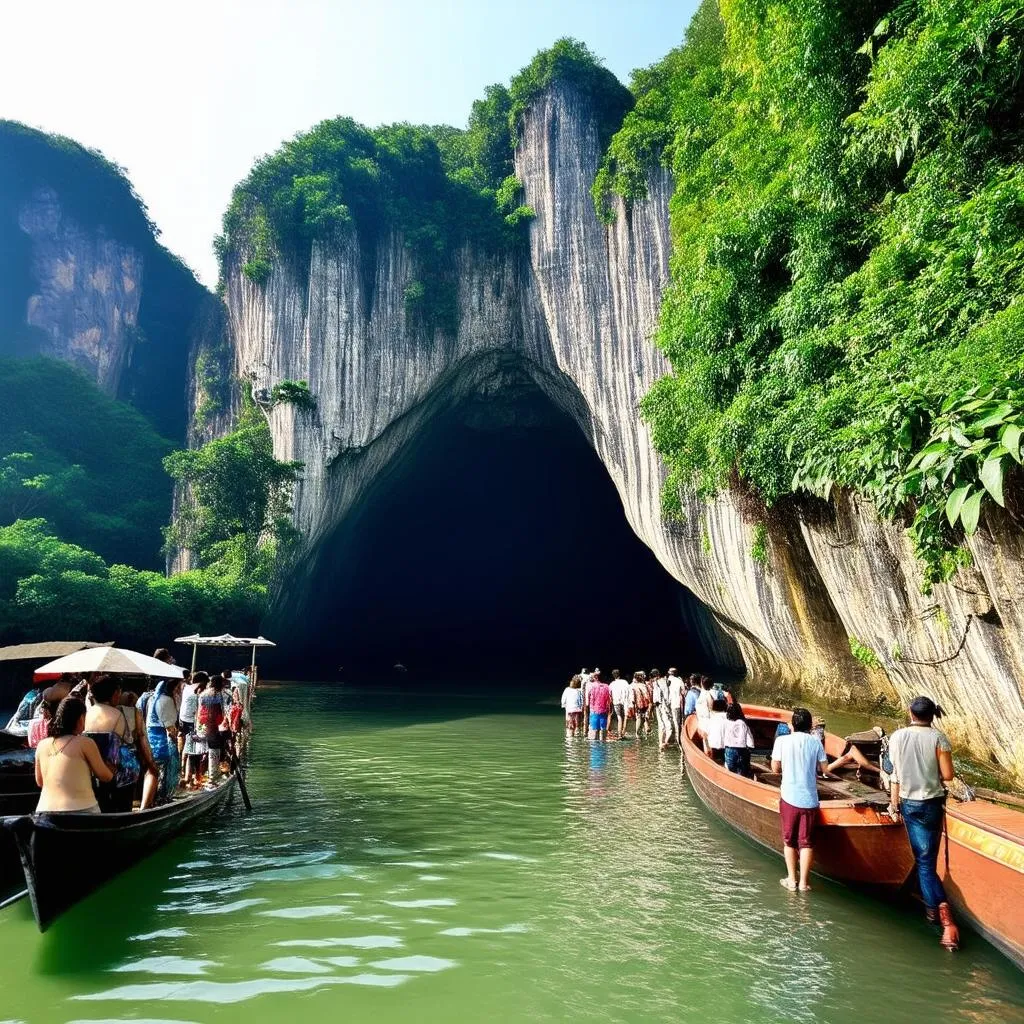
(622, 701)
(676, 689)
(922, 759)
(600, 706)
(572, 704)
(798, 756)
(662, 708)
(641, 704)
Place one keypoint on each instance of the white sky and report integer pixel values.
(186, 95)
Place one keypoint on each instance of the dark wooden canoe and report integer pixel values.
(18, 795)
(855, 841)
(983, 871)
(97, 846)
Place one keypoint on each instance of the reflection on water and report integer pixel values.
(411, 861)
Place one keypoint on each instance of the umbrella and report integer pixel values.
(113, 659)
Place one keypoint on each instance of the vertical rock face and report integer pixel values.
(87, 289)
(574, 315)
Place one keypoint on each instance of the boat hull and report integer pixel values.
(853, 843)
(984, 873)
(100, 846)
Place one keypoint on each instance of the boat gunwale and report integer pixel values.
(88, 822)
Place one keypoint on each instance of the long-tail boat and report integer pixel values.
(856, 841)
(98, 846)
(981, 862)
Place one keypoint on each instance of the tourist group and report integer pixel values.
(101, 747)
(913, 765)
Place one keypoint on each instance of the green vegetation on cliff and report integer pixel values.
(85, 462)
(848, 268)
(437, 186)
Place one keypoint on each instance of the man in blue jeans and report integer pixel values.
(922, 760)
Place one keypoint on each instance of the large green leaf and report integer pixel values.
(955, 502)
(1011, 438)
(995, 417)
(992, 477)
(971, 512)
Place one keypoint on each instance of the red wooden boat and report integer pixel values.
(856, 842)
(984, 872)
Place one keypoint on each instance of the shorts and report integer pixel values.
(797, 825)
(573, 717)
(186, 728)
(599, 723)
(620, 710)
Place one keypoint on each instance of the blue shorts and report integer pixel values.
(598, 722)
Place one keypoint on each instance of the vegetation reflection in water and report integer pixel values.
(417, 859)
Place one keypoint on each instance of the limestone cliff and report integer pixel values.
(574, 315)
(85, 280)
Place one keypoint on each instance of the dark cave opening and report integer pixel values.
(495, 547)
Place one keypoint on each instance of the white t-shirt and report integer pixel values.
(189, 703)
(800, 753)
(704, 707)
(716, 730)
(915, 764)
(737, 734)
(572, 699)
(621, 693)
(675, 692)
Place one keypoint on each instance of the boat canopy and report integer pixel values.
(224, 640)
(50, 649)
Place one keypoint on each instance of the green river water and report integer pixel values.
(414, 859)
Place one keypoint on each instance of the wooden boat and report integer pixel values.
(18, 795)
(96, 847)
(982, 867)
(856, 842)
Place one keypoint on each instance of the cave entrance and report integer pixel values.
(494, 546)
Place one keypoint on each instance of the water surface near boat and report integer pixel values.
(435, 859)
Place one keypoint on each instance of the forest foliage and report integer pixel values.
(846, 281)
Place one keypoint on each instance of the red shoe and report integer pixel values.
(950, 933)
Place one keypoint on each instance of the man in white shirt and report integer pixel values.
(676, 692)
(622, 700)
(799, 757)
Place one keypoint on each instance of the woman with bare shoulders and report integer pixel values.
(67, 761)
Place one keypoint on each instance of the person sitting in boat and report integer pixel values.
(121, 736)
(714, 744)
(67, 762)
(922, 760)
(863, 749)
(738, 740)
(162, 731)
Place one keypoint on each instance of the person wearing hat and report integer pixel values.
(922, 760)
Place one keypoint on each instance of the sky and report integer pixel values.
(186, 95)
